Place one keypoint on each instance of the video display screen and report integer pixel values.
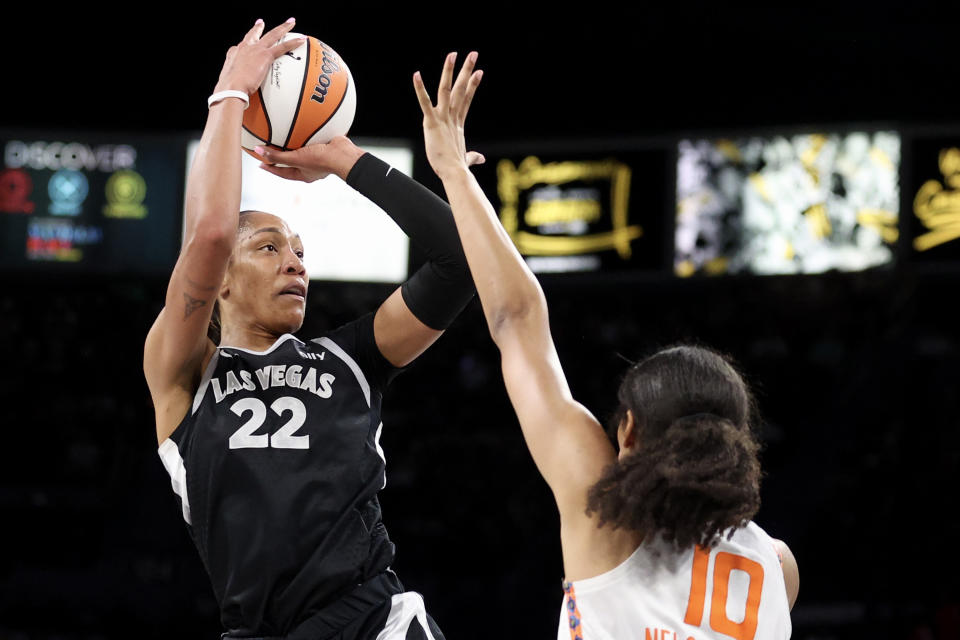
(89, 204)
(581, 211)
(345, 236)
(787, 204)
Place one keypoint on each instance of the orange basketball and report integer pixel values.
(308, 97)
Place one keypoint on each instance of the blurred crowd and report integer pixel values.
(856, 377)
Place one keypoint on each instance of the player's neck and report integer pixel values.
(252, 337)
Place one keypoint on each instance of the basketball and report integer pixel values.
(308, 97)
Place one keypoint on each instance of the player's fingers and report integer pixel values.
(286, 47)
(254, 33)
(463, 78)
(289, 173)
(276, 34)
(273, 156)
(446, 80)
(422, 96)
(474, 157)
(472, 85)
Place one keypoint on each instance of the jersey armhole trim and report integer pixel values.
(173, 463)
(779, 555)
(766, 537)
(205, 380)
(357, 371)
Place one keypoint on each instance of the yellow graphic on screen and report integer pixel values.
(819, 222)
(882, 221)
(126, 191)
(576, 206)
(938, 205)
(759, 184)
(810, 155)
(541, 212)
(805, 203)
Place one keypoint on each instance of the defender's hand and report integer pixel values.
(314, 161)
(443, 124)
(247, 63)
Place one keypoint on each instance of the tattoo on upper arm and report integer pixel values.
(192, 304)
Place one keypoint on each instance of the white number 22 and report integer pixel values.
(243, 437)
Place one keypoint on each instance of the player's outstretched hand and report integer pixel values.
(247, 63)
(443, 123)
(312, 162)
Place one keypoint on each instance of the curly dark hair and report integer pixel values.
(695, 473)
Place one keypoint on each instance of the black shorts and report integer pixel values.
(378, 605)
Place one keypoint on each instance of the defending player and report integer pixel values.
(272, 443)
(657, 539)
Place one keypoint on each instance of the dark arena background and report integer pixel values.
(782, 184)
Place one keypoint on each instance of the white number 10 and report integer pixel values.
(243, 437)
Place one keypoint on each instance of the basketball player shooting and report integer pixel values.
(657, 538)
(272, 442)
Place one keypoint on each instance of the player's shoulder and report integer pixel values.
(756, 531)
(353, 342)
(356, 344)
(753, 537)
(349, 332)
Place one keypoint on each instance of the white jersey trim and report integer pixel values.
(376, 442)
(173, 463)
(340, 353)
(280, 340)
(404, 608)
(204, 382)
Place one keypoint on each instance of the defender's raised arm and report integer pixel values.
(567, 443)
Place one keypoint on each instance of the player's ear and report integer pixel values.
(225, 286)
(627, 431)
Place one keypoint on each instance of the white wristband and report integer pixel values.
(229, 93)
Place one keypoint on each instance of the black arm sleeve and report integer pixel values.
(442, 287)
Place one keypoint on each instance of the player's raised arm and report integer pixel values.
(416, 314)
(567, 444)
(177, 343)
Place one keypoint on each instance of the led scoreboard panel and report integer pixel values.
(89, 203)
(840, 200)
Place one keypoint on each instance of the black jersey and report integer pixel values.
(277, 467)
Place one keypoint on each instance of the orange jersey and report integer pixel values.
(734, 590)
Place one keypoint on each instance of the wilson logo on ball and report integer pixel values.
(308, 97)
(328, 67)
